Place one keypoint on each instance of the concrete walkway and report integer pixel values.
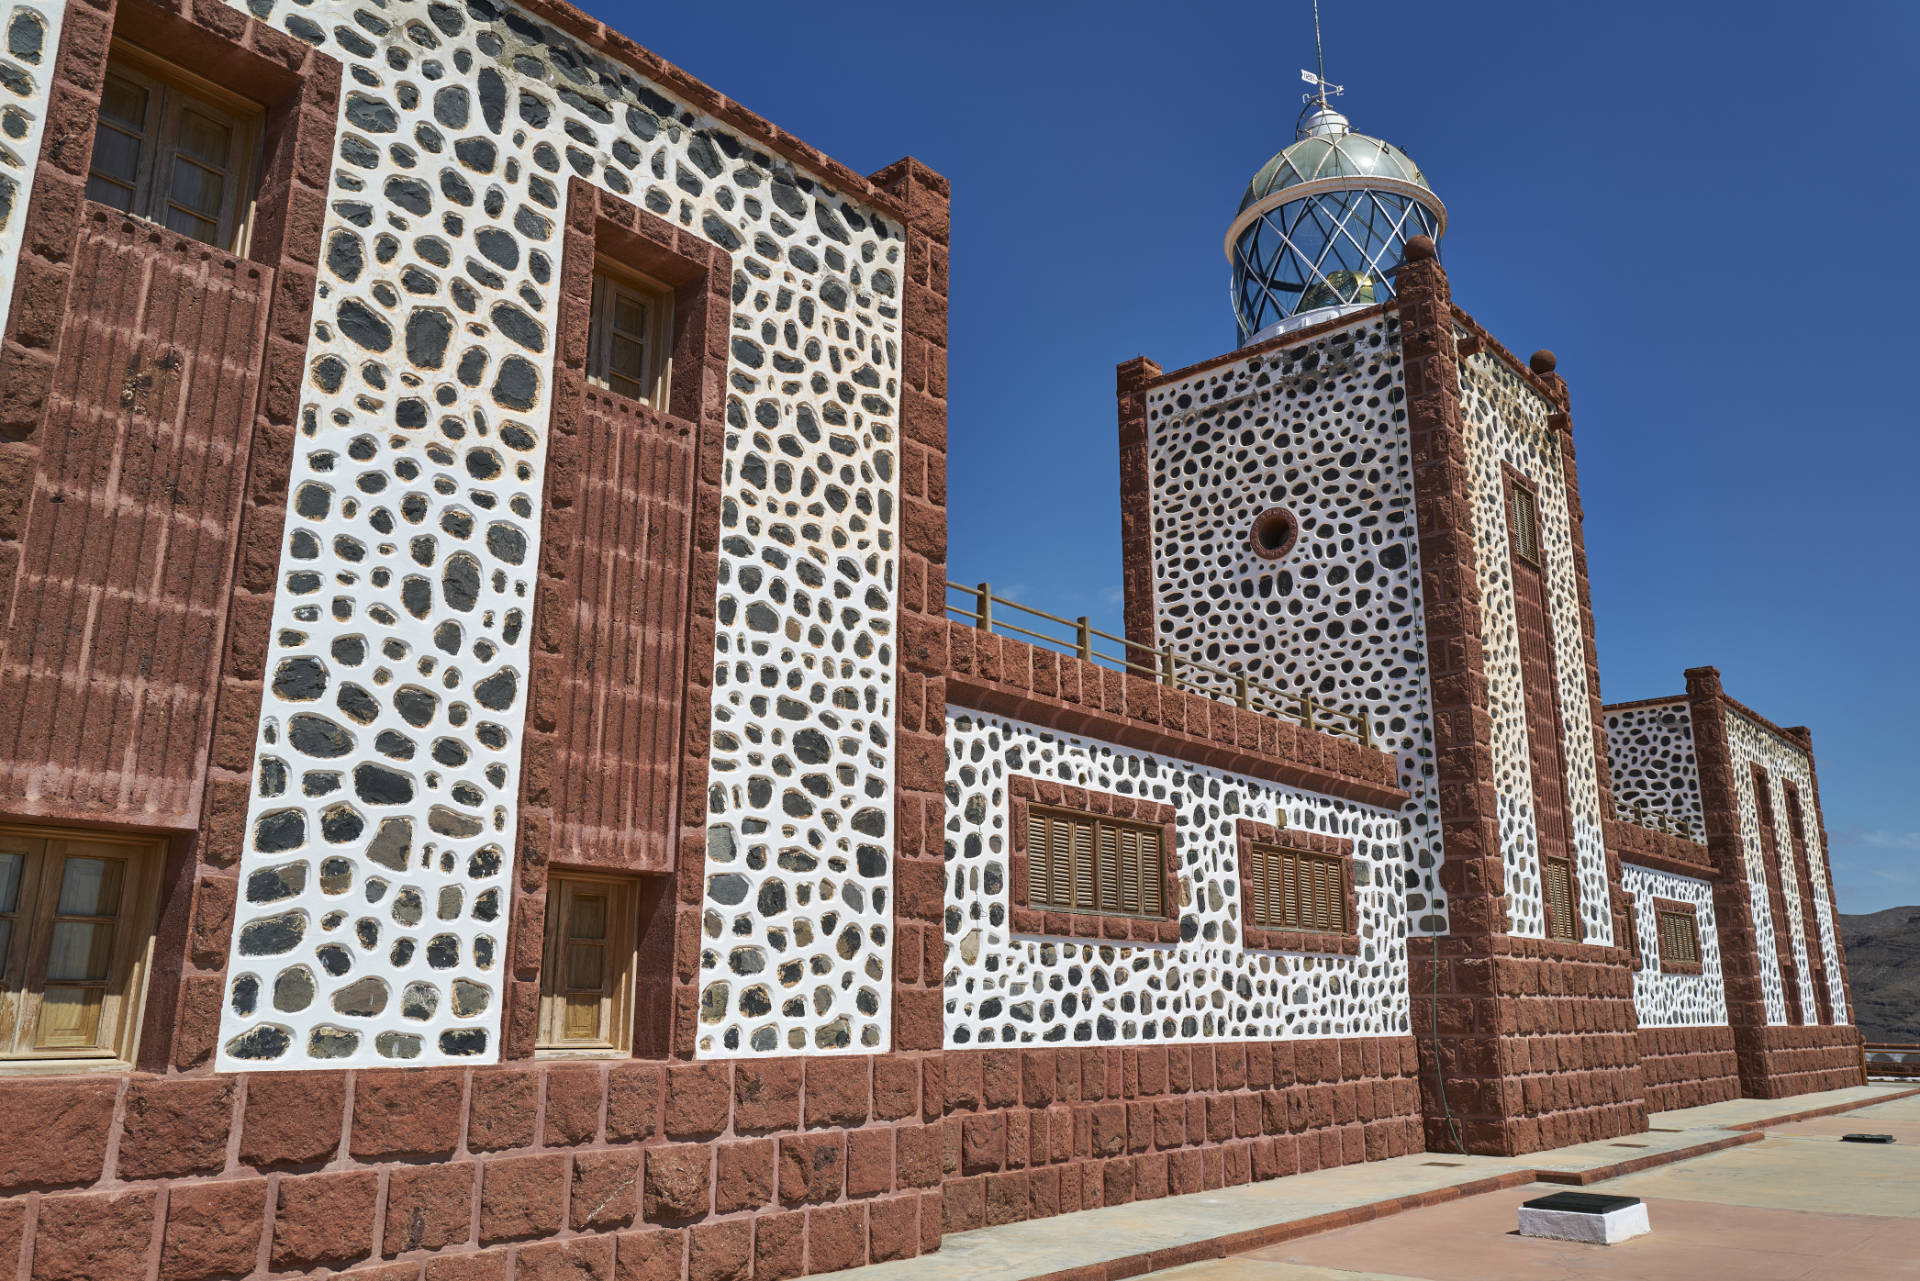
(1796, 1205)
(1128, 1240)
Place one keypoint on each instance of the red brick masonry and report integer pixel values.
(1011, 678)
(1686, 1067)
(594, 1170)
(1034, 1133)
(1027, 919)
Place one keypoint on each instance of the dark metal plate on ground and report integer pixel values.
(1866, 1138)
(1582, 1203)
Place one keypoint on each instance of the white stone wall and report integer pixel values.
(1674, 1000)
(1784, 762)
(32, 39)
(1506, 422)
(1319, 429)
(1650, 762)
(373, 914)
(1004, 988)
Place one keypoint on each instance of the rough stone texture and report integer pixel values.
(1674, 1000)
(1051, 1131)
(1220, 443)
(100, 1236)
(1000, 980)
(1656, 780)
(53, 1133)
(436, 651)
(324, 1220)
(1688, 1066)
(213, 1230)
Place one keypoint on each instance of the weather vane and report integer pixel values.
(1322, 86)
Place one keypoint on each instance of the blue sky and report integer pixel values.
(1707, 211)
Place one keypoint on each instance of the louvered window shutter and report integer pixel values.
(1106, 874)
(1559, 887)
(1257, 886)
(1081, 858)
(1526, 525)
(1039, 861)
(1152, 874)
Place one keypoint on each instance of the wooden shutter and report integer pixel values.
(1151, 873)
(1526, 524)
(1106, 878)
(1084, 863)
(1039, 861)
(1680, 937)
(1297, 890)
(1558, 875)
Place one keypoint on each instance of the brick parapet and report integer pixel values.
(805, 1165)
(1663, 851)
(1009, 677)
(1038, 1132)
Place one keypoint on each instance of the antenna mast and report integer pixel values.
(1319, 55)
(1321, 88)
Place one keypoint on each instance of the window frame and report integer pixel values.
(131, 963)
(1527, 548)
(171, 90)
(1558, 930)
(1097, 809)
(1666, 910)
(622, 949)
(610, 278)
(1253, 840)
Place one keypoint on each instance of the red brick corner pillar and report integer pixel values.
(924, 198)
(1732, 899)
(919, 952)
(1456, 1019)
(1524, 1043)
(1131, 380)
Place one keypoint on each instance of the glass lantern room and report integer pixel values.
(1323, 225)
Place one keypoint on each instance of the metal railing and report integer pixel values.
(1891, 1059)
(1641, 815)
(1160, 664)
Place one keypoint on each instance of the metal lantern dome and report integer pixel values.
(1323, 225)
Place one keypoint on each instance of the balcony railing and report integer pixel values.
(1891, 1059)
(1640, 814)
(1083, 641)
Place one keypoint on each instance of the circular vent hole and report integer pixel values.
(1273, 533)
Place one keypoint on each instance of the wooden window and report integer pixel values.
(1679, 936)
(630, 335)
(1557, 890)
(1632, 915)
(1523, 509)
(1086, 863)
(173, 148)
(586, 976)
(1295, 890)
(76, 920)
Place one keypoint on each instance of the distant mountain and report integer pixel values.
(1883, 960)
